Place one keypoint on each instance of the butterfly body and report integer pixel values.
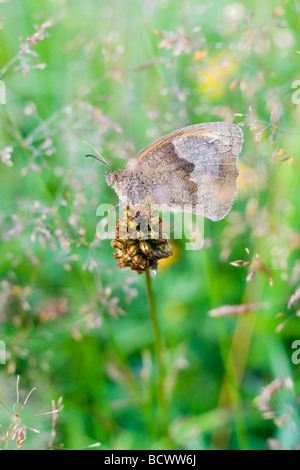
(195, 166)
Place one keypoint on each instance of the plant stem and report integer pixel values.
(161, 399)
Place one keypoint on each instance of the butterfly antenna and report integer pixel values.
(101, 159)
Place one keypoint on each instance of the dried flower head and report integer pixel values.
(140, 241)
(255, 265)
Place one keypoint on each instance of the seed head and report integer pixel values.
(140, 242)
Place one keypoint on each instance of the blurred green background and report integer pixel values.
(120, 74)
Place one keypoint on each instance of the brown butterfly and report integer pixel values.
(195, 166)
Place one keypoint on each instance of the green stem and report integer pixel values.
(13, 426)
(161, 398)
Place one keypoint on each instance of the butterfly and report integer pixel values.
(193, 168)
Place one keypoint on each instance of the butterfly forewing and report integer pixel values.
(195, 166)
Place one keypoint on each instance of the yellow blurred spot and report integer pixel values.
(17, 290)
(165, 263)
(213, 81)
(200, 54)
(247, 176)
(279, 11)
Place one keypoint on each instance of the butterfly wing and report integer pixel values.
(195, 165)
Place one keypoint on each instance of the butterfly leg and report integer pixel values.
(149, 217)
(112, 209)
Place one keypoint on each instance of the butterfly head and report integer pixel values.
(112, 178)
(116, 180)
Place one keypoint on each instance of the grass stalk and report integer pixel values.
(158, 348)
